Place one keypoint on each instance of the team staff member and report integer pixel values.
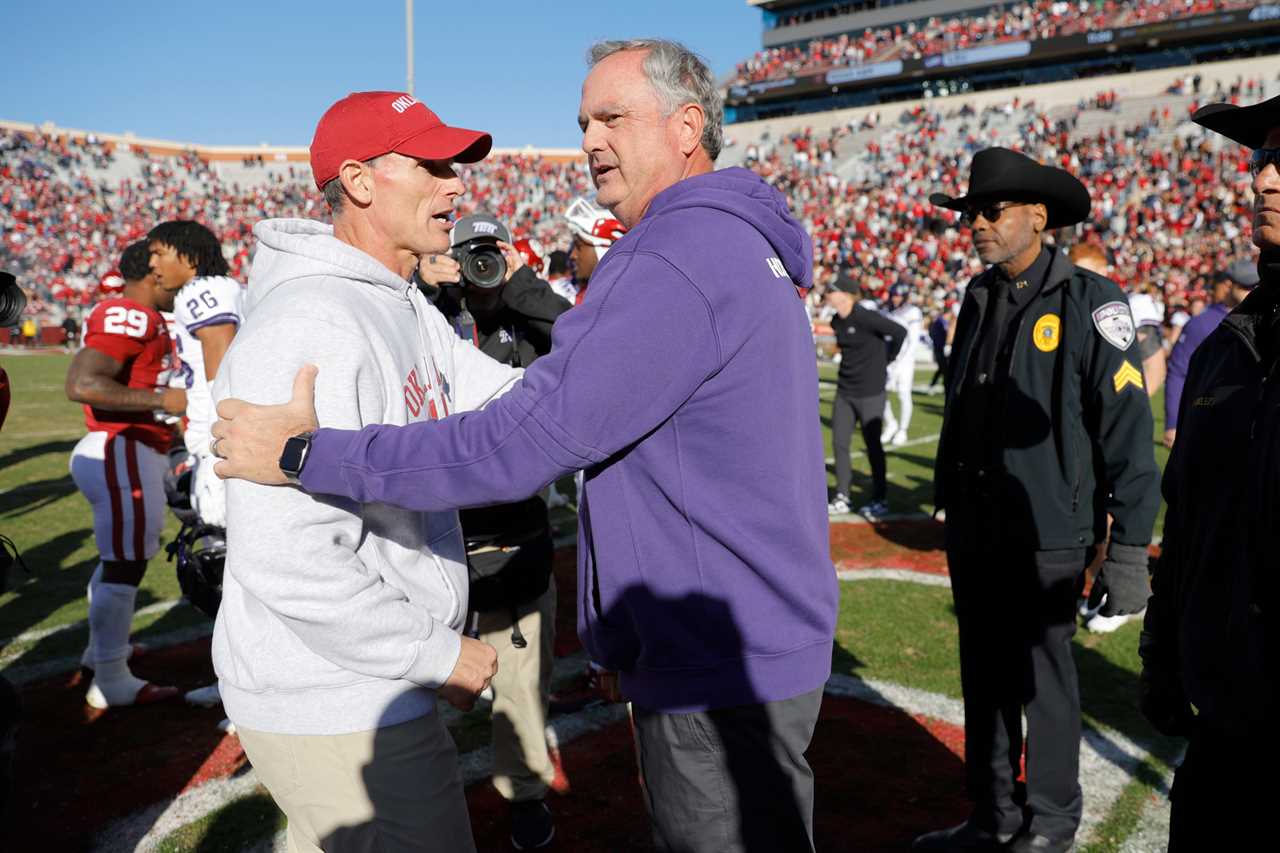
(861, 335)
(1205, 640)
(1047, 430)
(513, 594)
(121, 376)
(685, 385)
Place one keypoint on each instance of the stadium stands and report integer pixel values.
(69, 204)
(917, 39)
(1169, 205)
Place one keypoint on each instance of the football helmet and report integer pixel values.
(532, 252)
(592, 224)
(200, 551)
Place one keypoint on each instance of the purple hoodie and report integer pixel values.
(686, 387)
(1192, 335)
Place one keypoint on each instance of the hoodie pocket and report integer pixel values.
(449, 553)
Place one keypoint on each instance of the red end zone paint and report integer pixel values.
(911, 545)
(881, 776)
(75, 773)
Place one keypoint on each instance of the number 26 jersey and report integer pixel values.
(202, 302)
(136, 336)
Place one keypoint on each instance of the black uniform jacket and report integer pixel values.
(1073, 440)
(1214, 586)
(868, 341)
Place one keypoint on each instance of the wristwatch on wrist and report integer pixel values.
(294, 456)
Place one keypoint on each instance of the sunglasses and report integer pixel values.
(990, 212)
(1263, 157)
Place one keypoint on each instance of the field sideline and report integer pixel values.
(895, 635)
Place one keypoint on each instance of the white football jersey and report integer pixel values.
(203, 301)
(912, 318)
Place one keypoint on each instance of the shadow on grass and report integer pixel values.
(48, 588)
(22, 454)
(236, 827)
(33, 497)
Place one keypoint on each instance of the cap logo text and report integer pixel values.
(484, 227)
(403, 103)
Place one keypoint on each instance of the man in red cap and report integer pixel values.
(341, 623)
(1208, 650)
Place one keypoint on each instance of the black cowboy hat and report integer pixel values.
(998, 174)
(1246, 125)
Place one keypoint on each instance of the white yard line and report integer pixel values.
(33, 636)
(904, 575)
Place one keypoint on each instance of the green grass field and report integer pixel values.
(887, 630)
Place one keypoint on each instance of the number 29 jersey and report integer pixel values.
(135, 335)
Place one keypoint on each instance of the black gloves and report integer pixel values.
(1160, 695)
(1125, 574)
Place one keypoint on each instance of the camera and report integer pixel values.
(474, 244)
(12, 300)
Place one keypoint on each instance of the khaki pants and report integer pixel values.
(392, 789)
(522, 770)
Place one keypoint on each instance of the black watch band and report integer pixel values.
(294, 456)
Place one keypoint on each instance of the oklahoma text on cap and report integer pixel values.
(364, 125)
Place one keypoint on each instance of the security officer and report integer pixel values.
(1205, 642)
(1047, 430)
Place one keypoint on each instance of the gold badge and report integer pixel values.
(1127, 375)
(1047, 332)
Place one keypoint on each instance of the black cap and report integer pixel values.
(844, 283)
(478, 225)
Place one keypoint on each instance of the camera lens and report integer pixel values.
(484, 267)
(13, 300)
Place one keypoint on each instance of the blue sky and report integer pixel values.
(232, 72)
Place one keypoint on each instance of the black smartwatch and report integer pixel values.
(294, 456)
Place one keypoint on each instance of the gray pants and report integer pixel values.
(731, 779)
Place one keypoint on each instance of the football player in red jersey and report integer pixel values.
(121, 375)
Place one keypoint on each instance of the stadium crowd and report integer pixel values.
(1160, 198)
(1041, 19)
(64, 222)
(1163, 203)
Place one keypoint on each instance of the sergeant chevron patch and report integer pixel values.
(1127, 375)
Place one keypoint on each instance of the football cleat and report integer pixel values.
(148, 695)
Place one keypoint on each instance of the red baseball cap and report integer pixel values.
(364, 125)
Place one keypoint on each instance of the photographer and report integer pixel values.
(493, 299)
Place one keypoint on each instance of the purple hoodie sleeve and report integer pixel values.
(621, 364)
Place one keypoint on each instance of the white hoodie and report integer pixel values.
(338, 617)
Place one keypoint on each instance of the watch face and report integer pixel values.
(295, 450)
